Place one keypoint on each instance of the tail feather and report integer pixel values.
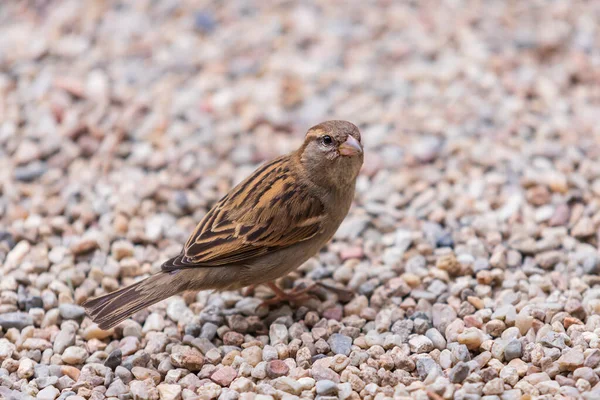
(112, 308)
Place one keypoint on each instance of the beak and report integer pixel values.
(350, 147)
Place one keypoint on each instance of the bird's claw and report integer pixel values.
(295, 296)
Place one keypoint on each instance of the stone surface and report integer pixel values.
(467, 265)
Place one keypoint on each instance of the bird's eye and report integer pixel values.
(327, 140)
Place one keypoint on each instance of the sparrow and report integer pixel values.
(265, 227)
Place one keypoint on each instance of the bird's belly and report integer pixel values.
(282, 262)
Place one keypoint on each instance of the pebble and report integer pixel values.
(71, 311)
(64, 339)
(114, 359)
(74, 355)
(326, 388)
(459, 372)
(48, 393)
(224, 376)
(287, 385)
(571, 360)
(420, 344)
(437, 339)
(169, 392)
(143, 390)
(278, 334)
(513, 350)
(340, 344)
(277, 368)
(472, 338)
(17, 320)
(26, 368)
(188, 358)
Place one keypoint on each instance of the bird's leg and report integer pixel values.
(295, 295)
(298, 294)
(342, 294)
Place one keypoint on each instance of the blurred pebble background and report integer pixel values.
(473, 246)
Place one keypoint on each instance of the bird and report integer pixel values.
(265, 227)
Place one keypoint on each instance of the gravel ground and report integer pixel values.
(472, 247)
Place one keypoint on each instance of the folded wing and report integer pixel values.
(268, 211)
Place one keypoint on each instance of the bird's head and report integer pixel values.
(332, 153)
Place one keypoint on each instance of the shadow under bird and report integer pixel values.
(265, 227)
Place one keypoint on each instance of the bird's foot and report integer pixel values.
(294, 296)
(344, 295)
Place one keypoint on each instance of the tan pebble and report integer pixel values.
(71, 372)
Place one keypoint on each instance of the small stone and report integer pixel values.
(84, 246)
(26, 368)
(209, 330)
(71, 311)
(326, 388)
(74, 355)
(94, 332)
(129, 345)
(509, 375)
(154, 322)
(571, 360)
(277, 368)
(586, 374)
(548, 387)
(64, 339)
(71, 372)
(335, 313)
(269, 353)
(442, 316)
(187, 358)
(287, 385)
(583, 228)
(143, 390)
(224, 376)
(494, 387)
(121, 249)
(536, 378)
(340, 344)
(169, 392)
(495, 327)
(445, 359)
(438, 340)
(117, 388)
(252, 355)
(278, 333)
(18, 320)
(356, 305)
(48, 393)
(141, 374)
(472, 338)
(36, 344)
(459, 373)
(242, 385)
(450, 264)
(425, 366)
(420, 344)
(592, 360)
(114, 359)
(512, 350)
(561, 215)
(523, 323)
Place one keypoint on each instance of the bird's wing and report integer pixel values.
(268, 211)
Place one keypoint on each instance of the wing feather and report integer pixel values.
(268, 211)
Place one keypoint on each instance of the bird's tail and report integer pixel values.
(110, 309)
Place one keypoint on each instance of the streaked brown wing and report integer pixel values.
(270, 210)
